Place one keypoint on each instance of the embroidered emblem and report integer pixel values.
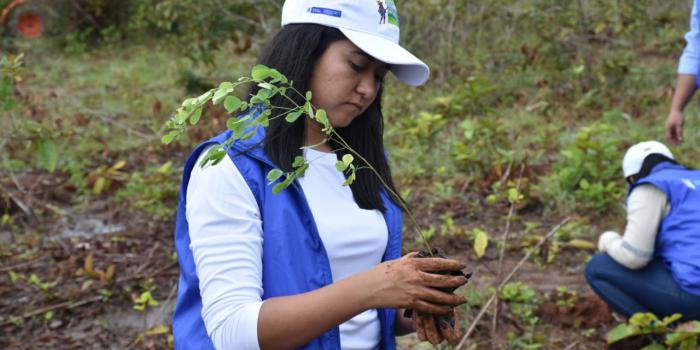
(326, 11)
(392, 14)
(387, 12)
(382, 12)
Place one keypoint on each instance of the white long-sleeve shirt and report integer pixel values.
(646, 207)
(227, 240)
(689, 62)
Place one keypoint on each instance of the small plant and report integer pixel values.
(102, 178)
(565, 297)
(522, 302)
(43, 286)
(10, 70)
(89, 269)
(683, 336)
(508, 193)
(518, 292)
(144, 300)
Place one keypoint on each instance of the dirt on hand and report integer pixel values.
(441, 326)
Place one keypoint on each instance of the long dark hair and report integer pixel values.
(294, 52)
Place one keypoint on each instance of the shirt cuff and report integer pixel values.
(605, 239)
(240, 330)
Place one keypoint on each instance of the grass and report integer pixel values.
(525, 101)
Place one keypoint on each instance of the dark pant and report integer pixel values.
(650, 289)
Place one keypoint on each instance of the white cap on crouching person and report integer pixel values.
(372, 25)
(634, 158)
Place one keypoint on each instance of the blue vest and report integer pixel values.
(678, 240)
(294, 259)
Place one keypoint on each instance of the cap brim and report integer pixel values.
(405, 66)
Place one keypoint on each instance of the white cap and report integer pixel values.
(632, 162)
(372, 25)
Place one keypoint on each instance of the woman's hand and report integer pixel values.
(435, 329)
(409, 283)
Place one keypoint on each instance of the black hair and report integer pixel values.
(649, 163)
(293, 52)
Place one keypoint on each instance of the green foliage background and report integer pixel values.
(530, 103)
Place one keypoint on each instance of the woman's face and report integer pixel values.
(345, 81)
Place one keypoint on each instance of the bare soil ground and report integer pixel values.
(71, 274)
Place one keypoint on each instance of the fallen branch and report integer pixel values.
(505, 280)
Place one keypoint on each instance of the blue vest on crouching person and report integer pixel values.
(294, 259)
(678, 240)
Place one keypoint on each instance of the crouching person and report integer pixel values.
(655, 265)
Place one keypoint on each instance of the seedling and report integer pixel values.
(249, 116)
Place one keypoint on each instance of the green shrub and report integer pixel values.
(483, 146)
(587, 170)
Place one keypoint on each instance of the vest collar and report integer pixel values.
(658, 167)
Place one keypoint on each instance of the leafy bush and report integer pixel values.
(201, 27)
(587, 170)
(21, 134)
(153, 190)
(485, 145)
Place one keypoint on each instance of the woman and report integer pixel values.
(655, 266)
(316, 266)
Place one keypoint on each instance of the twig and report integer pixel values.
(25, 208)
(245, 19)
(506, 174)
(504, 243)
(16, 181)
(449, 53)
(146, 275)
(71, 305)
(123, 126)
(167, 300)
(505, 280)
(148, 258)
(571, 346)
(583, 48)
(87, 15)
(263, 20)
(65, 304)
(27, 263)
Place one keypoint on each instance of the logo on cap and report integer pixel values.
(387, 12)
(325, 11)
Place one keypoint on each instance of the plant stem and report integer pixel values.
(505, 280)
(504, 243)
(404, 206)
